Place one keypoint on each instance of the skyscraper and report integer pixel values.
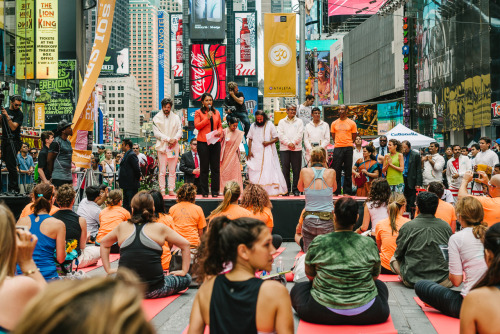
(171, 6)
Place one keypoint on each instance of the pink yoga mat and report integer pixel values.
(389, 278)
(443, 324)
(154, 306)
(385, 328)
(112, 258)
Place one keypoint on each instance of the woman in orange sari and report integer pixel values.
(230, 169)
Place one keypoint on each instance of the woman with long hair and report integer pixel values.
(318, 184)
(229, 206)
(323, 81)
(365, 170)
(141, 240)
(394, 165)
(376, 205)
(98, 305)
(112, 216)
(16, 246)
(387, 230)
(237, 301)
(230, 166)
(465, 250)
(163, 217)
(206, 121)
(109, 168)
(189, 219)
(51, 232)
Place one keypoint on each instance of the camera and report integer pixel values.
(314, 144)
(229, 109)
(475, 175)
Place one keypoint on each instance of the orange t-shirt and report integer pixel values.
(343, 130)
(234, 211)
(383, 232)
(491, 208)
(28, 210)
(109, 218)
(166, 256)
(188, 219)
(266, 216)
(298, 229)
(445, 211)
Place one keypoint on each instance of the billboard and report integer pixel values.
(365, 116)
(116, 63)
(389, 115)
(47, 43)
(324, 84)
(25, 39)
(176, 47)
(336, 73)
(161, 56)
(207, 19)
(251, 98)
(245, 47)
(59, 94)
(353, 7)
(208, 71)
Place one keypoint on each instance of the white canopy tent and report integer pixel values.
(401, 132)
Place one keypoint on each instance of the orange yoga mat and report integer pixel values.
(442, 323)
(389, 278)
(385, 328)
(112, 258)
(154, 306)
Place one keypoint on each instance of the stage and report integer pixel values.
(15, 203)
(286, 211)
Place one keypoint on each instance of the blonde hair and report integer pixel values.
(232, 192)
(98, 305)
(318, 155)
(396, 202)
(472, 212)
(8, 249)
(114, 197)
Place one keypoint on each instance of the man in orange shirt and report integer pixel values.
(344, 133)
(445, 210)
(491, 203)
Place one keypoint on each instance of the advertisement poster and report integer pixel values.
(389, 115)
(116, 63)
(40, 115)
(251, 95)
(336, 73)
(313, 14)
(245, 48)
(47, 42)
(324, 84)
(353, 7)
(176, 47)
(208, 71)
(161, 56)
(279, 53)
(365, 117)
(25, 39)
(207, 19)
(59, 94)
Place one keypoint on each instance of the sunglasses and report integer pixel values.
(322, 69)
(17, 104)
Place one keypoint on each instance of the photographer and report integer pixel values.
(236, 100)
(11, 139)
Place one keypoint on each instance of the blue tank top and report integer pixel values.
(320, 200)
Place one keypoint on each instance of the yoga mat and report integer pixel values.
(389, 278)
(207, 330)
(112, 258)
(299, 254)
(154, 306)
(443, 324)
(278, 252)
(385, 328)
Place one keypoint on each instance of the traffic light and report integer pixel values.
(141, 120)
(308, 86)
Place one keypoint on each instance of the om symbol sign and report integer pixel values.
(280, 54)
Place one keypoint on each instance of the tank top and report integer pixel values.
(320, 200)
(142, 255)
(233, 306)
(43, 255)
(73, 228)
(394, 177)
(377, 214)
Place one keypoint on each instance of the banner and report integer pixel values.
(207, 19)
(365, 117)
(83, 119)
(245, 47)
(40, 115)
(116, 63)
(58, 95)
(208, 71)
(336, 73)
(176, 61)
(353, 7)
(161, 57)
(279, 49)
(47, 43)
(25, 39)
(389, 115)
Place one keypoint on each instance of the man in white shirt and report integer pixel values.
(304, 112)
(455, 170)
(90, 208)
(167, 130)
(486, 156)
(433, 165)
(316, 133)
(290, 133)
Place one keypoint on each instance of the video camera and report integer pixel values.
(5, 87)
(228, 109)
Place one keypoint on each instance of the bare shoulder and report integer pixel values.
(273, 290)
(205, 290)
(25, 221)
(20, 286)
(55, 222)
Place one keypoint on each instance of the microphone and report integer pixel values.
(209, 107)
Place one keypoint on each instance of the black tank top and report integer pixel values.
(233, 306)
(72, 222)
(143, 256)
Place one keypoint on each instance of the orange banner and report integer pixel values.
(85, 109)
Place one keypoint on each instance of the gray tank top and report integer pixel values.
(320, 200)
(62, 163)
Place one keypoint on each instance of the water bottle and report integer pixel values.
(279, 264)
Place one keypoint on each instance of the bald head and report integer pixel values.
(494, 188)
(495, 180)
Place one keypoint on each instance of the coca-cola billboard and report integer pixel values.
(245, 48)
(176, 44)
(207, 69)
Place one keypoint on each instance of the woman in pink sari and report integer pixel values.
(230, 169)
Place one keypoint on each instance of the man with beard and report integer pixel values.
(263, 162)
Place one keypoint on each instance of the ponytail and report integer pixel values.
(396, 202)
(479, 230)
(114, 197)
(231, 194)
(42, 196)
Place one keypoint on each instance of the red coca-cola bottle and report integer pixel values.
(178, 46)
(245, 49)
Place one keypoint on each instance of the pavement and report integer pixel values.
(407, 316)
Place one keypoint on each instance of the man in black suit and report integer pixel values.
(412, 175)
(190, 165)
(382, 149)
(129, 173)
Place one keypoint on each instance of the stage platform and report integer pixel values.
(286, 211)
(15, 203)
